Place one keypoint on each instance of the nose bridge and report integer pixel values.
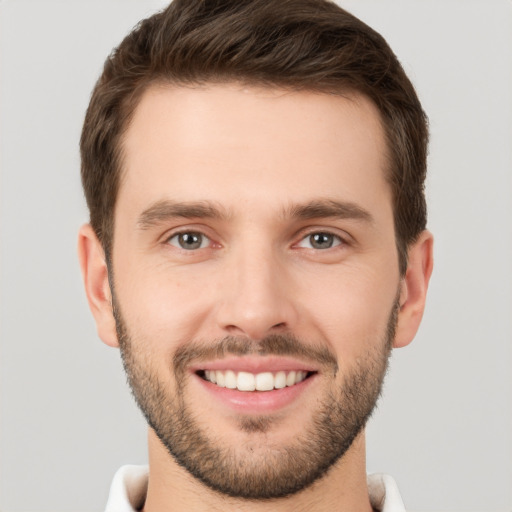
(257, 298)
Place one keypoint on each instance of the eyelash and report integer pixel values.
(336, 240)
(188, 232)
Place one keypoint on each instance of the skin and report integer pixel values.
(255, 154)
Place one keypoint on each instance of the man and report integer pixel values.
(254, 172)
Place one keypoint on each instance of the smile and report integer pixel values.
(245, 381)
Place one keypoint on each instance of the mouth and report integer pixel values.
(256, 384)
(247, 381)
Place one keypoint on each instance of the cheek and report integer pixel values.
(351, 309)
(164, 306)
(346, 306)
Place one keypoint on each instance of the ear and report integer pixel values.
(95, 276)
(413, 289)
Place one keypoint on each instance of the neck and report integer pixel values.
(172, 488)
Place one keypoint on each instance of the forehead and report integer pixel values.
(226, 142)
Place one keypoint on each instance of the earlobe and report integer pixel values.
(413, 291)
(97, 288)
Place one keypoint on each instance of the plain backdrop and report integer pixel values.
(67, 422)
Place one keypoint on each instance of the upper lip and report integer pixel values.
(256, 364)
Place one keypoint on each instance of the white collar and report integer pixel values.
(384, 493)
(128, 489)
(130, 484)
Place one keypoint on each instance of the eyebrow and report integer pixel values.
(328, 208)
(166, 209)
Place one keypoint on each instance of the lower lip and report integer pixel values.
(257, 402)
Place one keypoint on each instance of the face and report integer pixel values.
(256, 279)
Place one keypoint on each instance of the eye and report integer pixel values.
(189, 240)
(320, 240)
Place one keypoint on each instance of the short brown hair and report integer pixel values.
(309, 45)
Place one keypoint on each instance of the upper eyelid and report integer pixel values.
(206, 239)
(342, 241)
(342, 235)
(185, 231)
(170, 233)
(178, 231)
(300, 235)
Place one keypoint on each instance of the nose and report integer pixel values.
(257, 296)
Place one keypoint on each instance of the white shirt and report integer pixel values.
(130, 484)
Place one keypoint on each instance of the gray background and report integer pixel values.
(67, 422)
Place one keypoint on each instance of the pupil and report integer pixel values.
(321, 240)
(190, 240)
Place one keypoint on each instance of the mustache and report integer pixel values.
(274, 344)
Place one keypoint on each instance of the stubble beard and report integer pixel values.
(257, 471)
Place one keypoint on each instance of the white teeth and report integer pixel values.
(280, 380)
(221, 380)
(290, 378)
(245, 381)
(230, 379)
(264, 381)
